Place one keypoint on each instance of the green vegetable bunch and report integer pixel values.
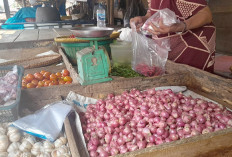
(124, 71)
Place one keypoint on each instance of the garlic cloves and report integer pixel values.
(4, 143)
(14, 154)
(2, 130)
(44, 155)
(26, 154)
(36, 148)
(60, 141)
(13, 134)
(60, 151)
(25, 146)
(3, 154)
(30, 139)
(48, 146)
(13, 147)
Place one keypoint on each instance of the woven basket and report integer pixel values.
(35, 62)
(67, 39)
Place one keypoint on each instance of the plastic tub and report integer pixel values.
(121, 52)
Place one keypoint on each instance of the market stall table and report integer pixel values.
(10, 39)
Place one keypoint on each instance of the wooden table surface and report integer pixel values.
(14, 36)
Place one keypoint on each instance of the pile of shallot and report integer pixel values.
(140, 119)
(8, 86)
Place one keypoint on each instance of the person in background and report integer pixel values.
(60, 5)
(26, 14)
(193, 39)
(136, 8)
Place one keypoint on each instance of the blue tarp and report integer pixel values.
(20, 16)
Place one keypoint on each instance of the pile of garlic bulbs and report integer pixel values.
(14, 143)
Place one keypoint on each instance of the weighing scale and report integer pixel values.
(93, 63)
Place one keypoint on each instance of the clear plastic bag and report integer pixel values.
(168, 17)
(150, 55)
(149, 58)
(8, 87)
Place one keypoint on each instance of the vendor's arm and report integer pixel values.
(200, 19)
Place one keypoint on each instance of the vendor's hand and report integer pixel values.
(163, 29)
(137, 21)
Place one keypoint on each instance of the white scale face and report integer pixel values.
(85, 51)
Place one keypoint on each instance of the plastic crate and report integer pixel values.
(10, 113)
(72, 48)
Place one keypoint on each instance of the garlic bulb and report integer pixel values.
(26, 154)
(4, 125)
(48, 146)
(30, 139)
(60, 151)
(14, 147)
(2, 130)
(25, 146)
(61, 141)
(15, 137)
(36, 149)
(44, 155)
(54, 153)
(3, 154)
(65, 155)
(13, 134)
(25, 135)
(37, 145)
(14, 154)
(11, 130)
(4, 143)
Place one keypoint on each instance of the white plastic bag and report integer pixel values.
(126, 34)
(45, 123)
(79, 100)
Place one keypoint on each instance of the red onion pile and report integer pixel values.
(136, 120)
(148, 70)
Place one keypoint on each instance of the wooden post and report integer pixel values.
(108, 10)
(7, 8)
(127, 3)
(24, 3)
(111, 12)
(222, 12)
